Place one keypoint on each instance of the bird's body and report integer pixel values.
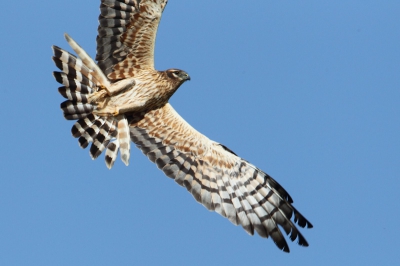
(145, 90)
(122, 98)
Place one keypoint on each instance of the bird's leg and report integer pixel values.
(116, 111)
(110, 110)
(101, 104)
(114, 89)
(99, 96)
(120, 86)
(107, 111)
(138, 106)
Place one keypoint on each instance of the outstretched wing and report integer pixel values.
(126, 35)
(216, 177)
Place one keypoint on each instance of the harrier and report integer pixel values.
(123, 98)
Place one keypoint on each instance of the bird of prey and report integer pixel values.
(123, 98)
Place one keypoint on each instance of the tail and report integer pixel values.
(82, 77)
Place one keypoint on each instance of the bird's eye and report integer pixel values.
(176, 72)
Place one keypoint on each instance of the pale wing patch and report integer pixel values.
(216, 177)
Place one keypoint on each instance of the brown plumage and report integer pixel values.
(123, 98)
(146, 90)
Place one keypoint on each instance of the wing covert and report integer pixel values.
(216, 177)
(126, 35)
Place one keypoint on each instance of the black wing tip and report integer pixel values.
(301, 220)
(279, 240)
(275, 185)
(284, 248)
(302, 241)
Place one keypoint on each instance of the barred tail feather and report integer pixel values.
(71, 93)
(96, 71)
(111, 153)
(75, 110)
(124, 139)
(78, 84)
(91, 133)
(72, 65)
(80, 127)
(101, 141)
(105, 134)
(81, 77)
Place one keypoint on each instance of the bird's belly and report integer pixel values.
(142, 96)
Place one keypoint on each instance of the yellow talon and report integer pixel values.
(116, 112)
(97, 96)
(103, 89)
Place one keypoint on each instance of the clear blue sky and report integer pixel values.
(308, 91)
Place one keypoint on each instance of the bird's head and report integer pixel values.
(177, 75)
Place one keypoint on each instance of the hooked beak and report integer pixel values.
(186, 76)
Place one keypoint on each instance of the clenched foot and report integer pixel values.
(97, 96)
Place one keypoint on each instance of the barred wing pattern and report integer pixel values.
(216, 177)
(126, 36)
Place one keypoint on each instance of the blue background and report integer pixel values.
(308, 91)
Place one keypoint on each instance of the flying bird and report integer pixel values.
(122, 98)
